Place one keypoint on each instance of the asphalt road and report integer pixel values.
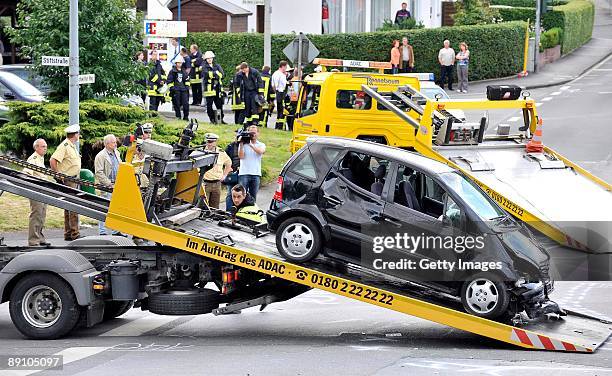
(320, 333)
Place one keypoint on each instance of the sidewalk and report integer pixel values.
(570, 66)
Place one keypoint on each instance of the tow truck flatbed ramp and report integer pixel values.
(545, 190)
(200, 237)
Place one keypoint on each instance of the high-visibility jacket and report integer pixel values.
(197, 62)
(254, 80)
(212, 76)
(266, 78)
(237, 99)
(156, 79)
(178, 80)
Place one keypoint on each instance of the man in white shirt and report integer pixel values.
(250, 155)
(446, 58)
(174, 51)
(279, 85)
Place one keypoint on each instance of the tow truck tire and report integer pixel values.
(44, 306)
(485, 295)
(299, 239)
(184, 302)
(114, 309)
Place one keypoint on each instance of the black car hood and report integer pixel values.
(523, 246)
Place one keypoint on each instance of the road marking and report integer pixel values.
(71, 355)
(555, 93)
(564, 88)
(139, 326)
(546, 99)
(603, 69)
(605, 92)
(538, 104)
(514, 118)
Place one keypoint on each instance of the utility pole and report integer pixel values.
(267, 34)
(299, 57)
(536, 49)
(73, 69)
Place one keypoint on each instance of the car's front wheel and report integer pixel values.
(485, 295)
(299, 239)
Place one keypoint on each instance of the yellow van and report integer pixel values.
(333, 104)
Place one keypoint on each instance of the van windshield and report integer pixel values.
(473, 196)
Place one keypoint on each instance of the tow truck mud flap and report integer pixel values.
(260, 255)
(541, 189)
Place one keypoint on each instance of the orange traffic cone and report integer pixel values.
(535, 144)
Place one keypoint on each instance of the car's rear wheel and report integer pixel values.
(485, 295)
(299, 239)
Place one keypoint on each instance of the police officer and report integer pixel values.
(38, 210)
(251, 86)
(237, 102)
(66, 160)
(195, 75)
(245, 209)
(178, 83)
(155, 82)
(218, 173)
(212, 75)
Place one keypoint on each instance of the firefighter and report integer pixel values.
(195, 76)
(263, 115)
(237, 102)
(251, 88)
(212, 75)
(155, 82)
(178, 84)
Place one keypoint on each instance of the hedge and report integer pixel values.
(30, 121)
(525, 3)
(486, 42)
(576, 18)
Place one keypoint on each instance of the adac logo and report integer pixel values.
(151, 28)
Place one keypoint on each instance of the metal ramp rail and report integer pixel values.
(526, 178)
(573, 333)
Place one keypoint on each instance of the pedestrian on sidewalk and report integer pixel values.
(446, 58)
(395, 57)
(463, 60)
(38, 210)
(106, 165)
(178, 83)
(407, 57)
(250, 162)
(67, 160)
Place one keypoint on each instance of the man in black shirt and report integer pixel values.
(251, 86)
(402, 14)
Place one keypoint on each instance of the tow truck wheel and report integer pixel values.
(184, 302)
(298, 239)
(113, 309)
(485, 295)
(43, 306)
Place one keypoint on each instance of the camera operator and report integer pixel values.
(250, 151)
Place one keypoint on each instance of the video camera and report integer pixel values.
(245, 136)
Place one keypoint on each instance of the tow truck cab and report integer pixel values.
(334, 104)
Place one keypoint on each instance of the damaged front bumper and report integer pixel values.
(534, 298)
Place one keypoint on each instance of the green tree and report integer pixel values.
(474, 12)
(405, 24)
(108, 40)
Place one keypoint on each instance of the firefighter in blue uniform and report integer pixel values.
(195, 75)
(178, 84)
(155, 82)
(212, 75)
(237, 102)
(251, 90)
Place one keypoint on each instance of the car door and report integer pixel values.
(352, 211)
(423, 225)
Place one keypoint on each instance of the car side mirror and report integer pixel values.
(446, 221)
(9, 95)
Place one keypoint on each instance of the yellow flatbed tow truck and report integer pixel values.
(52, 290)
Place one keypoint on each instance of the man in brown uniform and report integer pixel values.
(38, 210)
(214, 176)
(67, 161)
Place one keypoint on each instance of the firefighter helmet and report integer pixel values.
(209, 55)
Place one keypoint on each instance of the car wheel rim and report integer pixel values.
(297, 240)
(41, 306)
(482, 296)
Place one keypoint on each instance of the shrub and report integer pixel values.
(487, 43)
(474, 12)
(30, 121)
(405, 24)
(526, 3)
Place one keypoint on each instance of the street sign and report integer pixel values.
(309, 51)
(87, 79)
(169, 29)
(58, 61)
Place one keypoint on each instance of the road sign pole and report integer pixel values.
(536, 49)
(299, 56)
(73, 81)
(267, 34)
